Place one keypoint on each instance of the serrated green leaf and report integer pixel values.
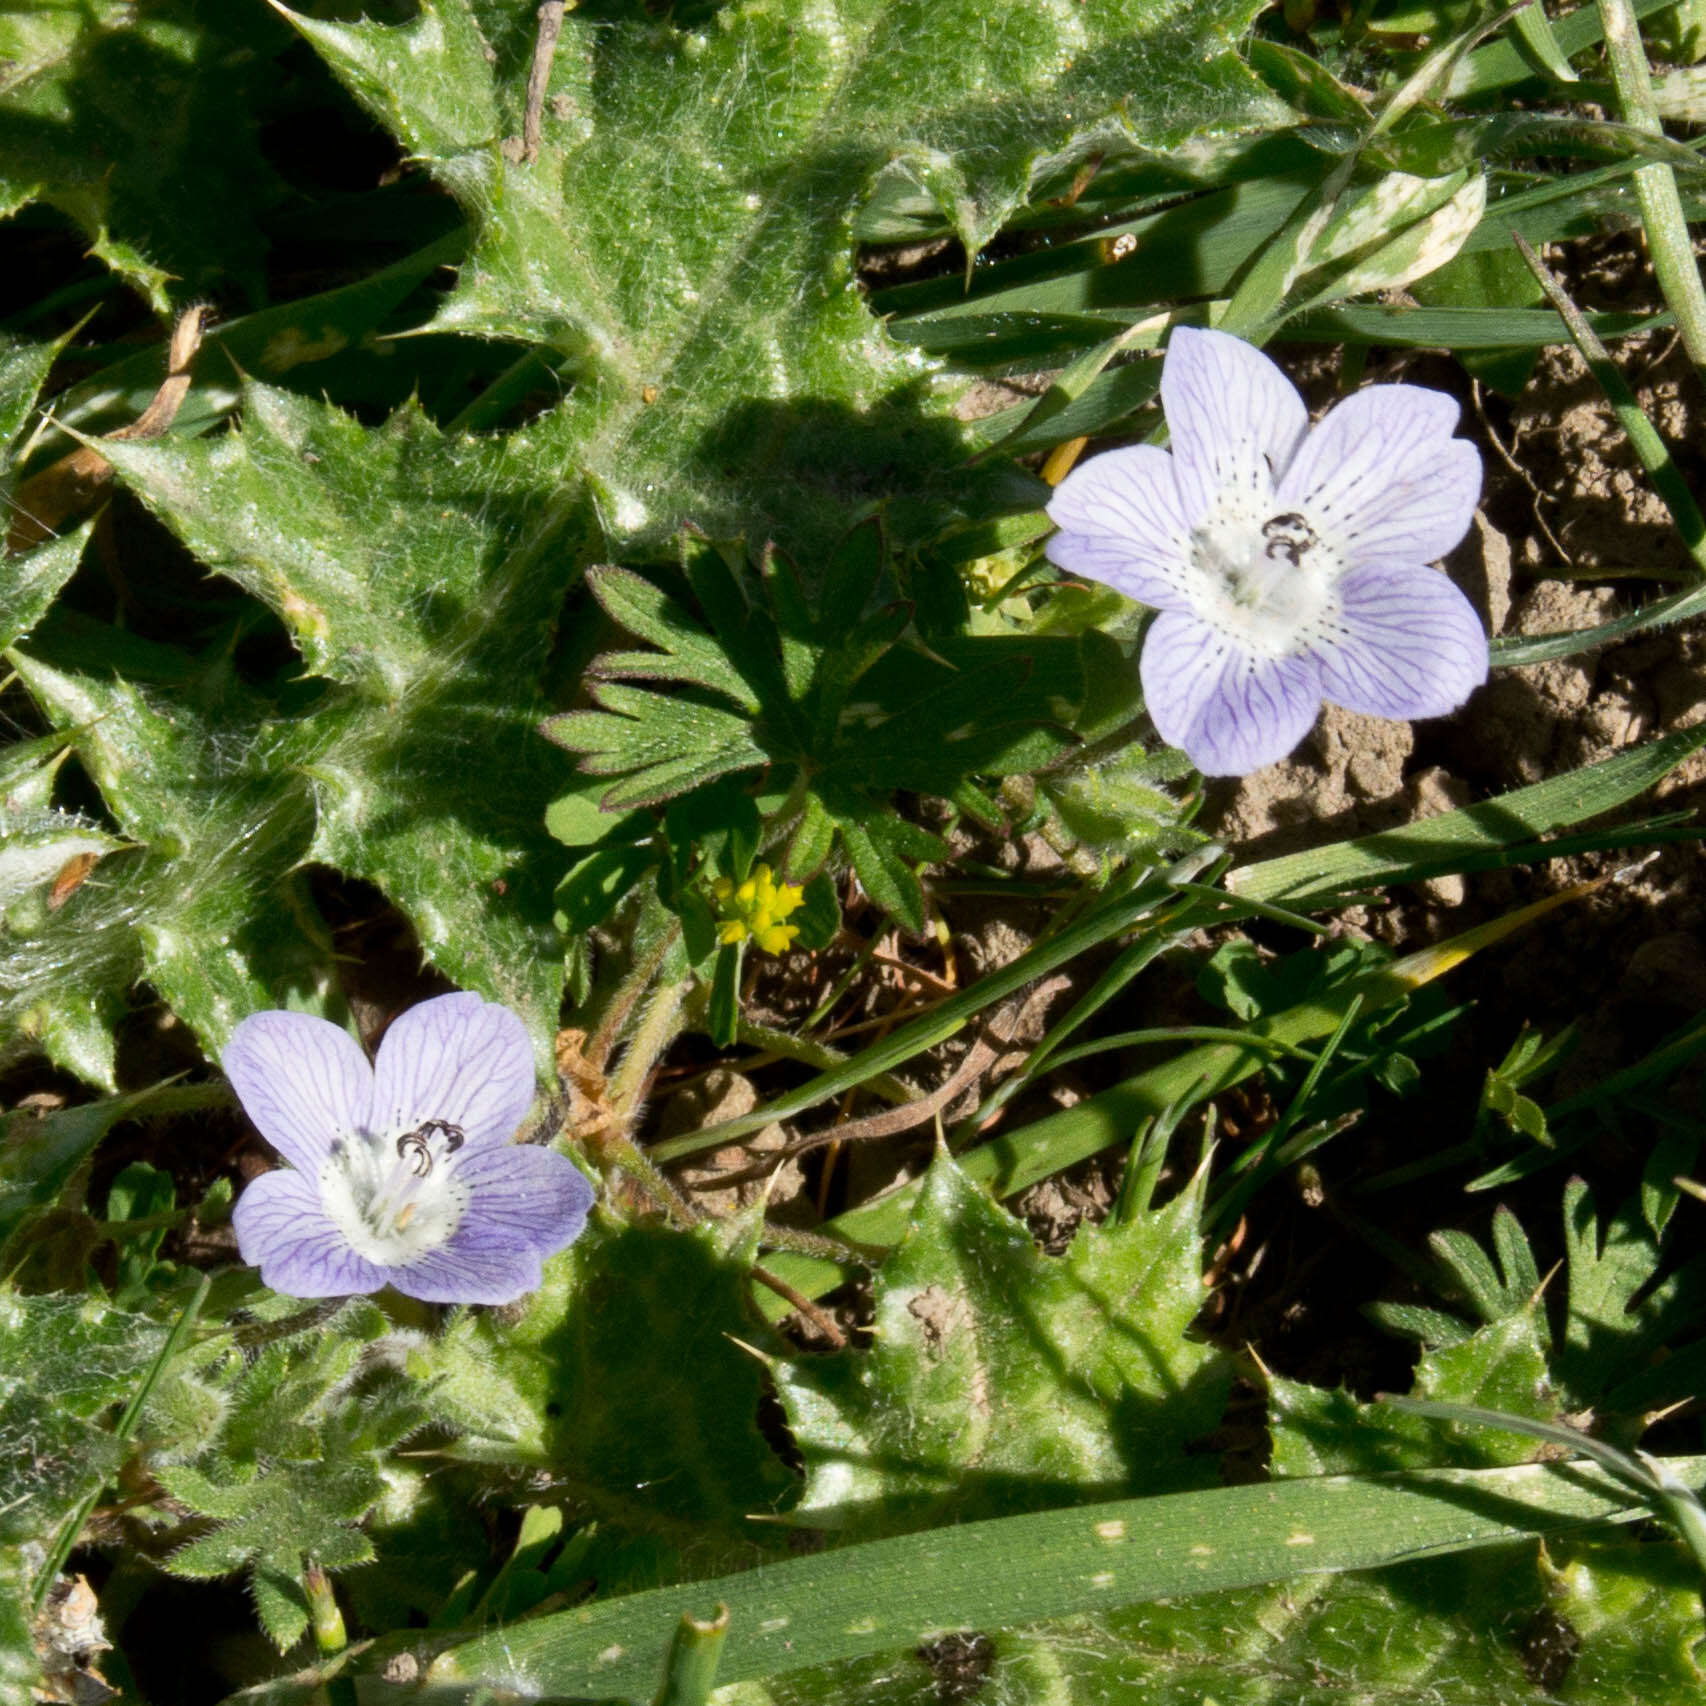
(383, 552)
(210, 913)
(64, 1361)
(170, 205)
(1004, 1380)
(23, 371)
(302, 1454)
(30, 582)
(1458, 1632)
(1628, 1345)
(686, 652)
(287, 1509)
(1503, 1367)
(426, 776)
(684, 230)
(639, 729)
(925, 720)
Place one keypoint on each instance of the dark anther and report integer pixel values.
(417, 1147)
(1288, 536)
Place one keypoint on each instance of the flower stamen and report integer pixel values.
(1288, 535)
(415, 1147)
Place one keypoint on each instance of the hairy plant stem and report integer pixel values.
(659, 1026)
(1668, 241)
(330, 1636)
(627, 995)
(627, 1156)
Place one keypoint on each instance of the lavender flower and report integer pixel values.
(1288, 564)
(401, 1173)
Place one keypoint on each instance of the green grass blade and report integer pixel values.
(1456, 328)
(1533, 29)
(1669, 244)
(1518, 649)
(942, 1022)
(1651, 451)
(1011, 1161)
(1501, 64)
(889, 1594)
(1522, 815)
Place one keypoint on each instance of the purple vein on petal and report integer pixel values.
(455, 1058)
(303, 1081)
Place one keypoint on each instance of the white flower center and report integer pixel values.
(1264, 576)
(396, 1197)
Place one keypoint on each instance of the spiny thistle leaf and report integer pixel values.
(684, 233)
(206, 907)
(1593, 1622)
(1501, 1367)
(1002, 1379)
(23, 371)
(426, 586)
(171, 206)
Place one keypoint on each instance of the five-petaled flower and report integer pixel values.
(1288, 565)
(401, 1173)
(756, 908)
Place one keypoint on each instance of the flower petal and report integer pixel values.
(1408, 644)
(528, 1203)
(1383, 476)
(454, 1058)
(1230, 711)
(1120, 523)
(302, 1080)
(1232, 414)
(454, 1275)
(283, 1228)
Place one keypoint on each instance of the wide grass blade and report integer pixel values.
(889, 1595)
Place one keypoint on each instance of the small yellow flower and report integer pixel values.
(756, 908)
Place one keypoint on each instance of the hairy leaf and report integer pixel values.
(422, 574)
(684, 230)
(301, 1456)
(109, 116)
(1003, 1380)
(65, 1362)
(623, 1380)
(207, 908)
